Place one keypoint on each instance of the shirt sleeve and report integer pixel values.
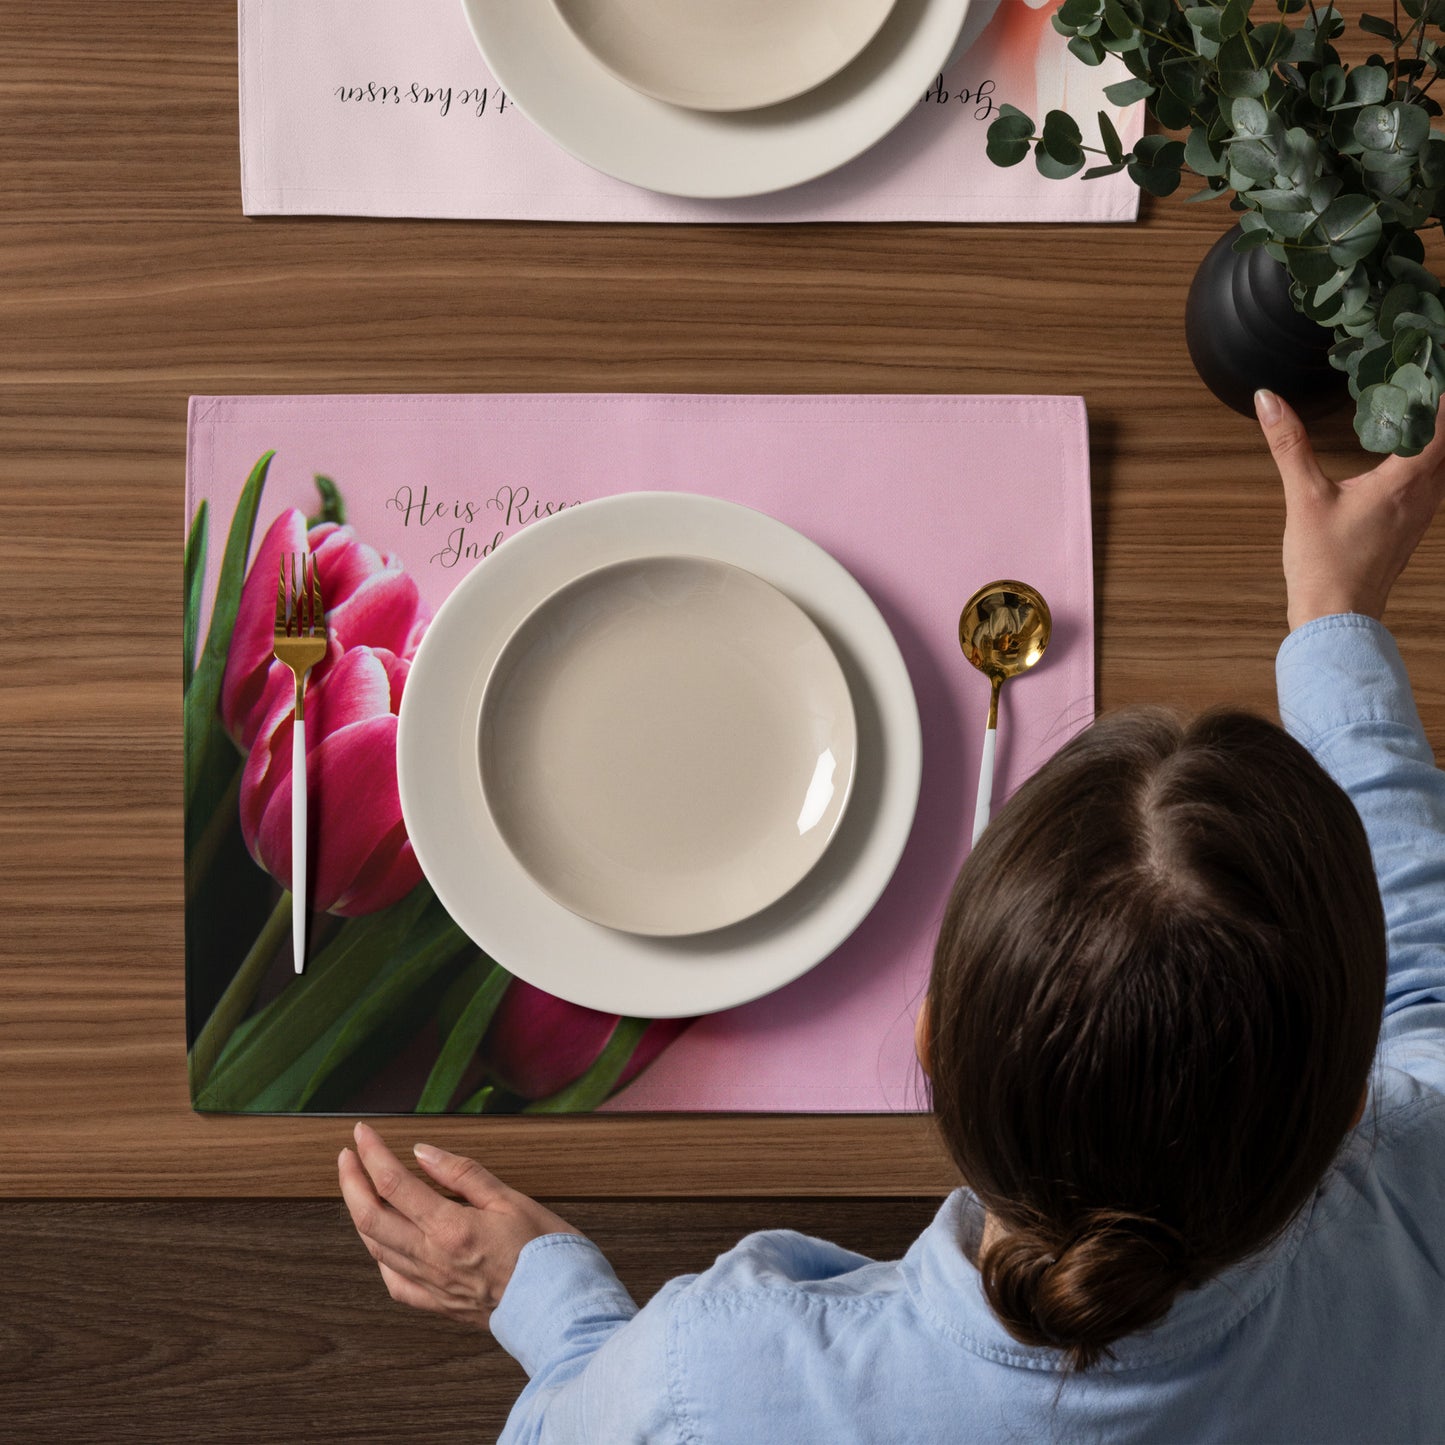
(1344, 693)
(597, 1364)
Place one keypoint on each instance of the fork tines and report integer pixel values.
(298, 603)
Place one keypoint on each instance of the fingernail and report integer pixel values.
(356, 1130)
(1266, 407)
(341, 1157)
(427, 1154)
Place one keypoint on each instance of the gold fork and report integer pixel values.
(300, 643)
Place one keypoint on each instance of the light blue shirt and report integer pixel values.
(1335, 1332)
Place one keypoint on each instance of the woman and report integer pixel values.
(1206, 1182)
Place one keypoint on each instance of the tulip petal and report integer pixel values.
(382, 611)
(249, 659)
(343, 561)
(538, 1044)
(354, 809)
(385, 878)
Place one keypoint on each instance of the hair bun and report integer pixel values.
(1115, 1274)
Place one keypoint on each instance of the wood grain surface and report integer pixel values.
(237, 1321)
(131, 280)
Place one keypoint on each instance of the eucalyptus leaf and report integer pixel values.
(1351, 227)
(1126, 92)
(1251, 119)
(1199, 155)
(1239, 75)
(1113, 146)
(1054, 168)
(1377, 25)
(1087, 49)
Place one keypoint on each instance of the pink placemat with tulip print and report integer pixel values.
(374, 108)
(922, 498)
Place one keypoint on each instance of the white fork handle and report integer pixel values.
(298, 843)
(985, 785)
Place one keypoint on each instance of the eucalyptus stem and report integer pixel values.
(239, 994)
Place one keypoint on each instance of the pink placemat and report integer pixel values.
(378, 108)
(922, 498)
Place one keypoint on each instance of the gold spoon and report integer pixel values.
(1003, 630)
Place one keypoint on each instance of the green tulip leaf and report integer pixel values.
(195, 575)
(463, 1041)
(361, 951)
(210, 758)
(333, 506)
(389, 1016)
(480, 1102)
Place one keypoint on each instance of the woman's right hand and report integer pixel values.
(1346, 542)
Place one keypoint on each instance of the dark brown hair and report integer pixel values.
(1153, 1009)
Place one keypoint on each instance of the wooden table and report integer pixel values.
(132, 280)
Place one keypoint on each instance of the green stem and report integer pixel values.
(198, 864)
(239, 994)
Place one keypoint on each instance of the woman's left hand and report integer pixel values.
(447, 1256)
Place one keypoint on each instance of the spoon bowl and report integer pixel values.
(1004, 629)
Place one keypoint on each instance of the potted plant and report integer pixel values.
(1334, 169)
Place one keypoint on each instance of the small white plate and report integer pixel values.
(724, 54)
(589, 112)
(495, 900)
(667, 745)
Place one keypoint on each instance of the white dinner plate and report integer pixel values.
(724, 54)
(667, 745)
(589, 112)
(490, 894)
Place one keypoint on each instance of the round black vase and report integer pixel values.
(1244, 333)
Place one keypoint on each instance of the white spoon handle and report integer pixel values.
(985, 784)
(298, 844)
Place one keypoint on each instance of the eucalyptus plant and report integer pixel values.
(1334, 169)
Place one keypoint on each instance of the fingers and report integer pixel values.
(408, 1292)
(373, 1219)
(461, 1175)
(1289, 445)
(395, 1184)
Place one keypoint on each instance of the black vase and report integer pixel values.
(1244, 333)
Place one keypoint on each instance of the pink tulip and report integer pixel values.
(362, 859)
(370, 600)
(538, 1044)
